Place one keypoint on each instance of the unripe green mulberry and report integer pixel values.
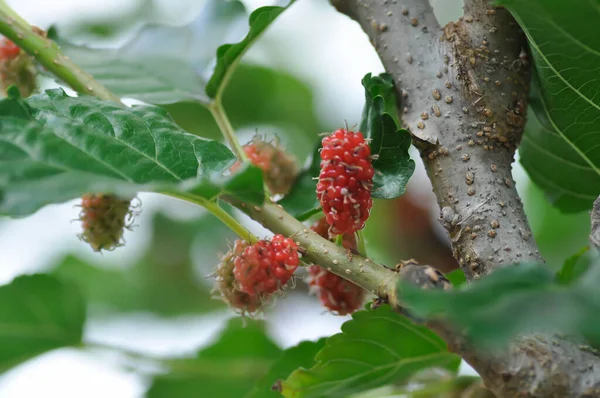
(104, 219)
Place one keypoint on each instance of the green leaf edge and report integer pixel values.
(228, 55)
(292, 393)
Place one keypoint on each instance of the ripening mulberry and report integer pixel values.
(265, 266)
(227, 285)
(279, 167)
(16, 68)
(8, 49)
(345, 181)
(337, 294)
(104, 218)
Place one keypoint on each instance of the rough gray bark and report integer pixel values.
(463, 91)
(595, 234)
(464, 95)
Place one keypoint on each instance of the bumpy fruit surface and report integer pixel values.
(228, 287)
(337, 294)
(345, 181)
(16, 68)
(265, 266)
(280, 168)
(104, 218)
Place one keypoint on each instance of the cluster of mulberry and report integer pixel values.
(249, 274)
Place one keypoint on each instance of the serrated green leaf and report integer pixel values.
(73, 145)
(561, 148)
(299, 356)
(301, 202)
(527, 294)
(375, 348)
(393, 165)
(572, 269)
(38, 314)
(228, 368)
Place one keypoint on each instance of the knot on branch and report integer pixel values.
(423, 276)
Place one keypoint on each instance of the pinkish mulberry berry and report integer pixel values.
(280, 168)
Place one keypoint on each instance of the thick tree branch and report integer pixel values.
(373, 277)
(464, 92)
(464, 96)
(595, 233)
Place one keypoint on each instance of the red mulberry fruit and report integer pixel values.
(337, 294)
(8, 49)
(345, 181)
(265, 266)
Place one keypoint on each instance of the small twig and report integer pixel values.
(48, 54)
(218, 113)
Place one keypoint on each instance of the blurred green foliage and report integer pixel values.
(165, 280)
(545, 303)
(229, 368)
(38, 313)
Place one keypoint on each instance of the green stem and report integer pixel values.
(218, 112)
(217, 211)
(362, 249)
(48, 54)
